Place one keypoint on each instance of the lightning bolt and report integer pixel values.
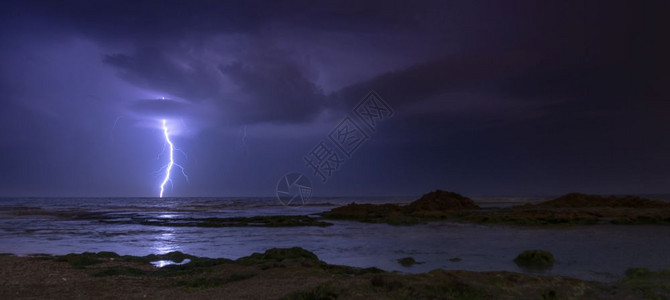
(168, 169)
(171, 163)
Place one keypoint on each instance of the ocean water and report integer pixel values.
(66, 225)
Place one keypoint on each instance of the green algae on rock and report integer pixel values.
(407, 261)
(440, 200)
(535, 259)
(435, 205)
(568, 210)
(585, 200)
(295, 274)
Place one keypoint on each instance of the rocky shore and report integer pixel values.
(571, 209)
(291, 273)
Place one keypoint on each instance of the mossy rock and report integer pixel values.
(211, 282)
(535, 259)
(633, 273)
(386, 282)
(107, 254)
(437, 205)
(366, 212)
(584, 200)
(651, 284)
(79, 261)
(407, 261)
(121, 271)
(322, 292)
(280, 254)
(194, 266)
(347, 270)
(440, 200)
(638, 273)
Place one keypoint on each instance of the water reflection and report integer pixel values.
(600, 252)
(164, 242)
(163, 263)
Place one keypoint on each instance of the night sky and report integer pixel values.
(489, 97)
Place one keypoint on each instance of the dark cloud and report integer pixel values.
(150, 67)
(491, 97)
(267, 86)
(274, 92)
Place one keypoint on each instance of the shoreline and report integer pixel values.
(267, 276)
(289, 273)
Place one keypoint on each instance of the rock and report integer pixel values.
(407, 261)
(280, 254)
(383, 213)
(364, 210)
(535, 259)
(584, 200)
(441, 201)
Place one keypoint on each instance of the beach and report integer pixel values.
(39, 231)
(291, 273)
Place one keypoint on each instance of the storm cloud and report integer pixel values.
(521, 97)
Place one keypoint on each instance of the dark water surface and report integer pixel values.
(64, 225)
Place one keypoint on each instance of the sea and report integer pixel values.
(74, 225)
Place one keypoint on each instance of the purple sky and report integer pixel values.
(490, 97)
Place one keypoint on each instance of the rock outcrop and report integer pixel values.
(441, 201)
(576, 200)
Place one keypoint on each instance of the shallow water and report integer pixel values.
(60, 226)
